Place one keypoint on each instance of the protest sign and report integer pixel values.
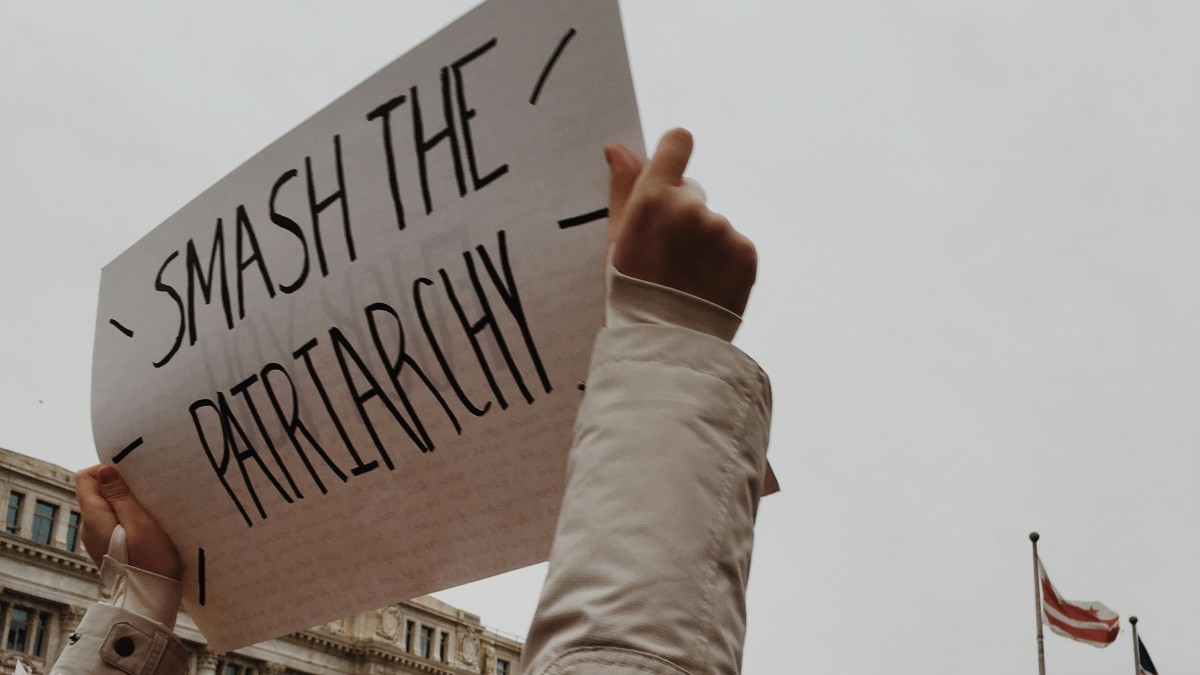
(346, 374)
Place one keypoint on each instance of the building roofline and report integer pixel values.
(36, 468)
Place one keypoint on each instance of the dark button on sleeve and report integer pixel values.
(131, 650)
(123, 646)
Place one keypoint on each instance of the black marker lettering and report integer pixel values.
(200, 579)
(465, 114)
(245, 231)
(395, 365)
(583, 219)
(424, 145)
(342, 348)
(134, 445)
(384, 113)
(242, 389)
(488, 320)
(219, 467)
(302, 353)
(291, 226)
(232, 425)
(170, 290)
(195, 274)
(126, 331)
(419, 303)
(316, 207)
(507, 288)
(292, 423)
(537, 90)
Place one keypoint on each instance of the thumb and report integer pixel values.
(623, 172)
(116, 492)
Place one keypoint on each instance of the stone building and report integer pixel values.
(47, 582)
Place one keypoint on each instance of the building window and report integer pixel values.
(443, 642)
(231, 669)
(27, 629)
(39, 637)
(408, 633)
(501, 667)
(73, 531)
(43, 522)
(426, 641)
(13, 520)
(18, 629)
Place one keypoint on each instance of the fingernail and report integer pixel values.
(108, 475)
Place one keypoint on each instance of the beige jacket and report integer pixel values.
(131, 633)
(652, 551)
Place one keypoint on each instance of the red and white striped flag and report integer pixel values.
(1085, 621)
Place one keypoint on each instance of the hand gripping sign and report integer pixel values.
(345, 374)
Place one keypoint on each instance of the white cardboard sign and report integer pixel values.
(346, 374)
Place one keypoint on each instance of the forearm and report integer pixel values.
(131, 632)
(652, 551)
(113, 640)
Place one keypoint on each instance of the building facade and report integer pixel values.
(47, 582)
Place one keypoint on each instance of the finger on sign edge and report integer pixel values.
(670, 160)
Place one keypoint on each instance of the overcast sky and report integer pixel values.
(978, 295)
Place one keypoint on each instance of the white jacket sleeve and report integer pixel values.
(652, 551)
(131, 633)
(111, 641)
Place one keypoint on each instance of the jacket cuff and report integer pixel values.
(633, 301)
(112, 640)
(137, 590)
(144, 593)
(668, 345)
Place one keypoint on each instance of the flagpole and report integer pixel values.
(1037, 600)
(1137, 660)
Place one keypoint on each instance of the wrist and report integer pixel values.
(637, 301)
(141, 592)
(137, 590)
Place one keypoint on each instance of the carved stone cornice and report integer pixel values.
(49, 557)
(374, 657)
(327, 641)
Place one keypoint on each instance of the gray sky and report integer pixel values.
(977, 301)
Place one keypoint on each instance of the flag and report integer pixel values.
(1145, 665)
(20, 669)
(1085, 621)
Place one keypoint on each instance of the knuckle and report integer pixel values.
(746, 255)
(694, 211)
(713, 227)
(634, 220)
(738, 249)
(655, 197)
(719, 223)
(749, 252)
